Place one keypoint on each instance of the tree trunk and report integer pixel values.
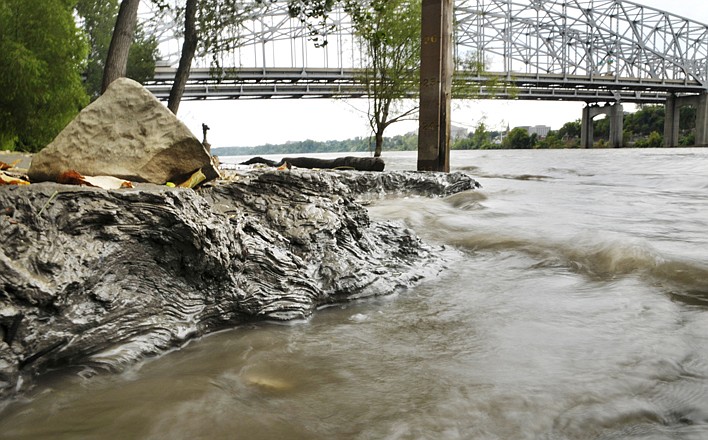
(379, 143)
(117, 60)
(185, 62)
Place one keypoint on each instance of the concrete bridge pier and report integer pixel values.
(616, 114)
(673, 112)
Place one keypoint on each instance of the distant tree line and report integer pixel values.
(406, 142)
(642, 129)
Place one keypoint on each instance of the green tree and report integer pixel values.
(518, 138)
(687, 118)
(570, 130)
(211, 27)
(389, 32)
(42, 55)
(552, 140)
(470, 68)
(143, 56)
(601, 128)
(654, 140)
(688, 140)
(643, 122)
(481, 138)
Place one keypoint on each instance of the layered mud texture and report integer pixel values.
(99, 279)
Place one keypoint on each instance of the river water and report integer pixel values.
(574, 306)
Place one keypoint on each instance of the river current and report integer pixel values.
(574, 306)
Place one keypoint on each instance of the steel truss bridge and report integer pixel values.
(580, 50)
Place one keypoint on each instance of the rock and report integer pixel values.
(126, 133)
(99, 279)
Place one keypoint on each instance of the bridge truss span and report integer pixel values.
(582, 50)
(596, 39)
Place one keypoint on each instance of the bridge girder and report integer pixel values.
(590, 50)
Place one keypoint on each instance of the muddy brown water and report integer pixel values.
(574, 306)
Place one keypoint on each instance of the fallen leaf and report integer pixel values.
(71, 177)
(6, 179)
(107, 182)
(194, 180)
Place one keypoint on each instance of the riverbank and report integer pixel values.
(97, 279)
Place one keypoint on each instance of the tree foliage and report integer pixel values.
(314, 14)
(654, 140)
(407, 142)
(479, 139)
(42, 54)
(647, 119)
(389, 33)
(209, 27)
(518, 138)
(570, 130)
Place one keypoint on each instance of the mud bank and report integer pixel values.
(100, 279)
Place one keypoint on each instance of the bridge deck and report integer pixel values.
(345, 83)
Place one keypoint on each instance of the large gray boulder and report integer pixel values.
(126, 133)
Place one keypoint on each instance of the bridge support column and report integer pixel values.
(616, 125)
(673, 116)
(672, 113)
(702, 120)
(435, 86)
(586, 128)
(614, 112)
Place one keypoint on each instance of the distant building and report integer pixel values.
(539, 130)
(458, 132)
(455, 132)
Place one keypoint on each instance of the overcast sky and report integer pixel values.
(256, 122)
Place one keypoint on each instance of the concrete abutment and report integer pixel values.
(616, 114)
(673, 107)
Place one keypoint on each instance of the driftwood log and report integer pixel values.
(99, 279)
(347, 162)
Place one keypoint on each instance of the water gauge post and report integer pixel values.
(435, 86)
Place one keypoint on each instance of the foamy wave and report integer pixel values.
(602, 259)
(467, 200)
(538, 177)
